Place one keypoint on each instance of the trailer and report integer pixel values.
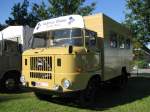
(74, 53)
(13, 41)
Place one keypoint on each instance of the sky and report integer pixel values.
(112, 8)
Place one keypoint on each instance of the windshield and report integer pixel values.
(63, 37)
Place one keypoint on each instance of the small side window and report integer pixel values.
(128, 43)
(113, 40)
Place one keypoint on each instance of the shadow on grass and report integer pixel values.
(18, 91)
(9, 96)
(107, 97)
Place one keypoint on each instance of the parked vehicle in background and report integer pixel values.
(13, 41)
(74, 53)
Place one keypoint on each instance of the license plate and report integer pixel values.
(45, 84)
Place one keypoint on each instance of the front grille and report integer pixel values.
(40, 75)
(41, 63)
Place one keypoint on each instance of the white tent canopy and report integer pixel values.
(22, 34)
(12, 32)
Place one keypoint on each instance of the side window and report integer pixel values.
(121, 42)
(128, 43)
(113, 40)
(90, 39)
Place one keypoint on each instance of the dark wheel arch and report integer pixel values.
(87, 97)
(9, 77)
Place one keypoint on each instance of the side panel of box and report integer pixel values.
(115, 58)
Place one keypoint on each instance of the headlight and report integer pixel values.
(66, 83)
(22, 79)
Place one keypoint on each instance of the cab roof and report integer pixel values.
(63, 22)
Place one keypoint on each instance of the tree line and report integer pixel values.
(27, 13)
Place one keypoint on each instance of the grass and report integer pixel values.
(134, 98)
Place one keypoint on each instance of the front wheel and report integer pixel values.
(89, 94)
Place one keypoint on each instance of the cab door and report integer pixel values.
(93, 57)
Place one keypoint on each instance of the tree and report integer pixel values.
(138, 19)
(57, 8)
(2, 26)
(21, 16)
(40, 11)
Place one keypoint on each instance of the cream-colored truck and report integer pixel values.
(13, 41)
(74, 53)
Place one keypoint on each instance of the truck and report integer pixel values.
(13, 41)
(74, 53)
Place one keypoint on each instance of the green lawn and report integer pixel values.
(135, 98)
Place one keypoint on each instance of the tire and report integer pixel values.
(121, 81)
(87, 97)
(9, 83)
(42, 96)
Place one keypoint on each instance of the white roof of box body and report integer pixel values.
(24, 34)
(71, 21)
(12, 31)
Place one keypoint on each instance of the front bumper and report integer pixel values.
(52, 92)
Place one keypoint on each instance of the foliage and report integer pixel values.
(20, 15)
(40, 11)
(2, 26)
(141, 63)
(56, 8)
(138, 19)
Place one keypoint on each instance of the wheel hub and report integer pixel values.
(10, 83)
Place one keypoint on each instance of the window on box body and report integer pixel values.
(113, 40)
(128, 43)
(121, 42)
